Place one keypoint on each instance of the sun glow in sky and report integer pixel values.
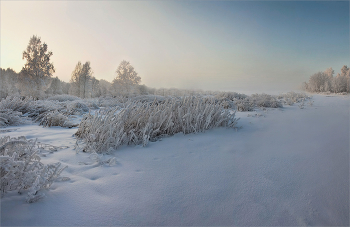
(209, 45)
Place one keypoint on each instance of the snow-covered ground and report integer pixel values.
(287, 166)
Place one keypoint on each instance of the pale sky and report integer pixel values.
(209, 45)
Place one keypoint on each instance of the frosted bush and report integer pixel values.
(22, 170)
(230, 95)
(63, 98)
(10, 118)
(91, 103)
(140, 123)
(292, 97)
(41, 107)
(244, 105)
(15, 103)
(265, 100)
(77, 107)
(55, 118)
(109, 102)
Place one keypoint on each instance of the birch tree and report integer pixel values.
(38, 67)
(126, 78)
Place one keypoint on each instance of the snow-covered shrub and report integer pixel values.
(292, 97)
(77, 107)
(230, 95)
(55, 118)
(140, 123)
(10, 117)
(41, 107)
(63, 98)
(22, 170)
(227, 104)
(108, 102)
(229, 100)
(91, 103)
(244, 105)
(265, 100)
(15, 103)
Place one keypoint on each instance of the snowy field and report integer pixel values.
(285, 166)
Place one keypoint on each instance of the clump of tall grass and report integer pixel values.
(139, 123)
(55, 118)
(265, 100)
(292, 97)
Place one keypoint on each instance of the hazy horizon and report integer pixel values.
(221, 45)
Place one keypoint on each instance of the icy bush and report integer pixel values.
(77, 107)
(63, 98)
(265, 100)
(244, 105)
(92, 103)
(22, 170)
(10, 117)
(41, 107)
(230, 96)
(292, 97)
(55, 118)
(229, 100)
(140, 123)
(15, 103)
(108, 102)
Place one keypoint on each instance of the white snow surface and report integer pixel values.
(289, 166)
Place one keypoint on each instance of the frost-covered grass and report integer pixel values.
(139, 123)
(21, 169)
(63, 98)
(55, 110)
(10, 117)
(50, 112)
(77, 107)
(265, 100)
(286, 160)
(15, 103)
(292, 97)
(55, 118)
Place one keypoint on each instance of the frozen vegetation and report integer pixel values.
(279, 166)
(256, 159)
(103, 125)
(141, 122)
(22, 170)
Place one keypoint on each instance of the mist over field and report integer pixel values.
(174, 113)
(225, 45)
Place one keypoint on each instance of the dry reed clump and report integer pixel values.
(22, 170)
(55, 118)
(76, 108)
(292, 97)
(265, 100)
(140, 123)
(15, 103)
(10, 118)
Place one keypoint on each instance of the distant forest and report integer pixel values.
(36, 79)
(327, 82)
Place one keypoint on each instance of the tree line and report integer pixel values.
(36, 78)
(327, 82)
